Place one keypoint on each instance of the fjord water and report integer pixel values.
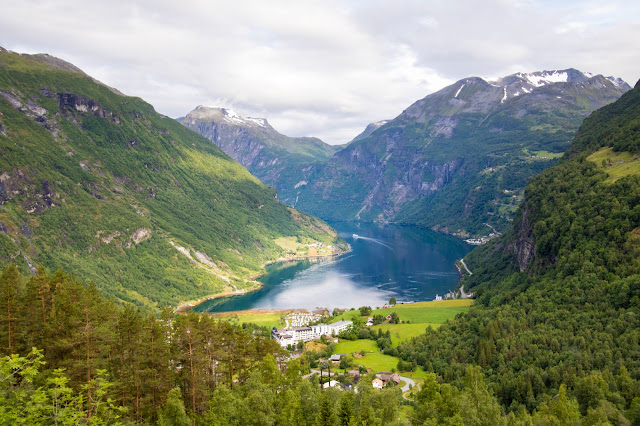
(407, 262)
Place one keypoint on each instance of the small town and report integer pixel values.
(303, 327)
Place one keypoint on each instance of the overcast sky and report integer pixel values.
(319, 68)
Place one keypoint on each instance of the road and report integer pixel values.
(465, 266)
(409, 385)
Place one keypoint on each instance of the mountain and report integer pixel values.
(458, 160)
(277, 160)
(371, 127)
(556, 321)
(101, 185)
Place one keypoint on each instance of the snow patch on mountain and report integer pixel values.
(262, 122)
(545, 77)
(616, 81)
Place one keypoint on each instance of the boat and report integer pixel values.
(355, 236)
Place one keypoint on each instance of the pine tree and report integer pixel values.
(10, 289)
(37, 303)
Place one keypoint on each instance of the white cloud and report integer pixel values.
(321, 69)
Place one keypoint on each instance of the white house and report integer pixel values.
(330, 384)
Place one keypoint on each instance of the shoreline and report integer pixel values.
(268, 311)
(186, 306)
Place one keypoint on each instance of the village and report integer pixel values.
(300, 329)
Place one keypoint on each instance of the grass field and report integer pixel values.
(616, 164)
(373, 359)
(420, 312)
(264, 319)
(402, 332)
(419, 316)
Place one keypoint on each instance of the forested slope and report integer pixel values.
(558, 297)
(101, 185)
(103, 364)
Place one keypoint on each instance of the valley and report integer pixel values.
(143, 267)
(410, 263)
(100, 184)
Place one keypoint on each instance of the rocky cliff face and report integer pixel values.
(458, 160)
(277, 160)
(522, 247)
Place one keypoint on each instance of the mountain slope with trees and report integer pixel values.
(557, 316)
(101, 185)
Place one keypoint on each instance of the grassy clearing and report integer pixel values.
(264, 319)
(616, 164)
(542, 155)
(402, 332)
(420, 316)
(373, 359)
(420, 312)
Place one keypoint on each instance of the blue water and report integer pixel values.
(409, 263)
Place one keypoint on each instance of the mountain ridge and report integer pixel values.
(277, 160)
(446, 161)
(101, 185)
(558, 295)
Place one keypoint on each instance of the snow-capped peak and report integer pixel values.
(259, 121)
(546, 77)
(616, 81)
(231, 116)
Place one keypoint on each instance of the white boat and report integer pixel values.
(355, 236)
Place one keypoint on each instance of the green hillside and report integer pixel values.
(556, 324)
(101, 185)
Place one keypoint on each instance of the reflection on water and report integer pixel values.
(386, 260)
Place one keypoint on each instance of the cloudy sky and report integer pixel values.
(321, 68)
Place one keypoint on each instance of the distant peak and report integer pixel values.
(371, 127)
(617, 81)
(204, 112)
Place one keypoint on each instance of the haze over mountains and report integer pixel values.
(456, 161)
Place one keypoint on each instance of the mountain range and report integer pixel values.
(556, 321)
(455, 161)
(101, 185)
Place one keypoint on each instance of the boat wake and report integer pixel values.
(375, 240)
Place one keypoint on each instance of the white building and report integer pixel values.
(291, 336)
(339, 326)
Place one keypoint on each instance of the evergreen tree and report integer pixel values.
(173, 413)
(10, 292)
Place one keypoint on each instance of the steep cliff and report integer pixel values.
(459, 159)
(277, 160)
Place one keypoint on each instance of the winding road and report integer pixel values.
(465, 266)
(409, 383)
